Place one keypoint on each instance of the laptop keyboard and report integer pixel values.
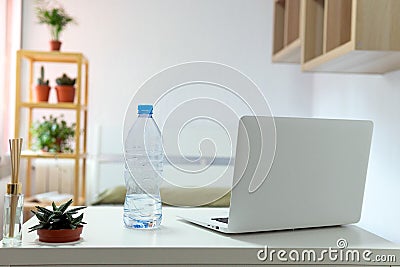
(223, 220)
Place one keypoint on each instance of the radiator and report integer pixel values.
(53, 175)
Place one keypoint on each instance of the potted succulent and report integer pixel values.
(65, 88)
(52, 135)
(56, 18)
(42, 89)
(58, 225)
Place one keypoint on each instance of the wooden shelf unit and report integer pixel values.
(350, 36)
(286, 46)
(79, 107)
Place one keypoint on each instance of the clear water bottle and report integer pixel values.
(143, 170)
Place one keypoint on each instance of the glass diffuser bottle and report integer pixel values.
(13, 200)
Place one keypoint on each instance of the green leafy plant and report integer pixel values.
(58, 218)
(65, 80)
(54, 16)
(52, 134)
(41, 80)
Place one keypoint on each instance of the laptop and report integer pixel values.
(293, 173)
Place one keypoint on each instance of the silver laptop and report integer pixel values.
(316, 178)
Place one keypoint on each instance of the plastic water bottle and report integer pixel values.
(143, 170)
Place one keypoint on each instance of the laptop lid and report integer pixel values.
(316, 178)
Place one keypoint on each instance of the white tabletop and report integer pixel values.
(106, 241)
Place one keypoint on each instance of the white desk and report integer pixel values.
(107, 242)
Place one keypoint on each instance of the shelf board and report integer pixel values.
(289, 54)
(53, 56)
(52, 105)
(48, 155)
(346, 59)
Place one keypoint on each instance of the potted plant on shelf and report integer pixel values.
(56, 18)
(58, 225)
(65, 88)
(42, 88)
(53, 135)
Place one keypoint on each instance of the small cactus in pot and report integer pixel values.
(65, 88)
(42, 88)
(59, 224)
(41, 80)
(65, 80)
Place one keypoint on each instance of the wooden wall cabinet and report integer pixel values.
(79, 107)
(286, 46)
(347, 36)
(350, 36)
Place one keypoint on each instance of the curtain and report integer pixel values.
(3, 23)
(10, 42)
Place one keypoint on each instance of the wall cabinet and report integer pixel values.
(25, 105)
(286, 46)
(348, 36)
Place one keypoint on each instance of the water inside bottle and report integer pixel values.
(142, 211)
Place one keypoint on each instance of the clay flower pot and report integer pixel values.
(59, 236)
(55, 45)
(42, 93)
(65, 93)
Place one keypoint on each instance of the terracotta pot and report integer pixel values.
(42, 93)
(65, 93)
(59, 236)
(55, 45)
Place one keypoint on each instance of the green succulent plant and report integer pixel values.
(52, 134)
(58, 218)
(65, 80)
(41, 80)
(55, 17)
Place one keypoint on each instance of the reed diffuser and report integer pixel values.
(13, 199)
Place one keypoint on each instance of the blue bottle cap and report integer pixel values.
(145, 109)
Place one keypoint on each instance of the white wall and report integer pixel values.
(128, 41)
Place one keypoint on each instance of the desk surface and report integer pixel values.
(106, 241)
